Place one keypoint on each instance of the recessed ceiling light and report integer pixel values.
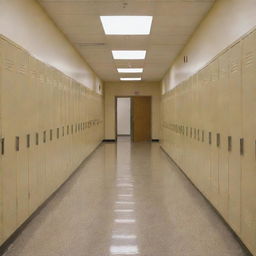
(130, 78)
(130, 70)
(126, 25)
(129, 55)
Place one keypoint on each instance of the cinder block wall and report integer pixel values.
(49, 124)
(208, 126)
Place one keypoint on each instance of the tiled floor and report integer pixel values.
(127, 199)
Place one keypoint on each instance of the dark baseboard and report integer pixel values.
(244, 248)
(123, 135)
(155, 140)
(112, 140)
(4, 247)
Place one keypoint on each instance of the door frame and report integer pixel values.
(131, 113)
(116, 98)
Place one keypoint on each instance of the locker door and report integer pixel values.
(234, 91)
(223, 109)
(1, 149)
(9, 171)
(248, 204)
(34, 156)
(22, 154)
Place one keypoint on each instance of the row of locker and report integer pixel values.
(200, 135)
(49, 136)
(49, 124)
(220, 99)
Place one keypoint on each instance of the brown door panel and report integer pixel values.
(141, 118)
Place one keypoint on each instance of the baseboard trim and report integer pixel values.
(246, 250)
(155, 140)
(109, 140)
(5, 246)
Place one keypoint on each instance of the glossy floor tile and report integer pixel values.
(127, 199)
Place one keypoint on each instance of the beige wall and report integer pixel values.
(26, 23)
(226, 22)
(130, 89)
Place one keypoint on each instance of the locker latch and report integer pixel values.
(241, 147)
(229, 143)
(218, 140)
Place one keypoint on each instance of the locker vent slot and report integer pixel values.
(17, 143)
(37, 139)
(58, 133)
(229, 143)
(76, 129)
(190, 132)
(218, 140)
(72, 129)
(194, 133)
(2, 146)
(28, 140)
(241, 147)
(68, 130)
(63, 131)
(210, 138)
(44, 137)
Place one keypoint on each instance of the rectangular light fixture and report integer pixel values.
(129, 55)
(130, 70)
(126, 25)
(130, 78)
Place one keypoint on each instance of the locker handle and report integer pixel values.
(37, 139)
(17, 143)
(28, 140)
(218, 140)
(44, 136)
(202, 136)
(2, 146)
(241, 147)
(229, 143)
(210, 138)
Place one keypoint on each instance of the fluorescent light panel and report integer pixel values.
(130, 70)
(126, 25)
(129, 55)
(130, 78)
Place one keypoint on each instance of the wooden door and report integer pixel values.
(141, 118)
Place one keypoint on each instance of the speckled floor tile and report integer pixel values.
(127, 199)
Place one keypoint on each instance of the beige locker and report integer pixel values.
(234, 91)
(1, 146)
(248, 179)
(22, 125)
(223, 108)
(8, 107)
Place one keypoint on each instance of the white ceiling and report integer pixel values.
(174, 21)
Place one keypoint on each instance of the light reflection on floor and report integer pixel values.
(124, 240)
